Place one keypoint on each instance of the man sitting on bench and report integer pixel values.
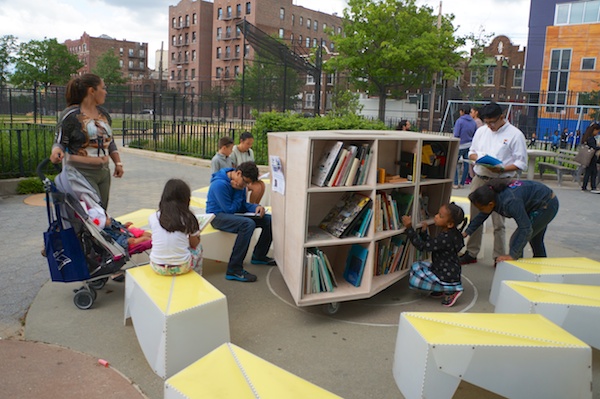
(227, 200)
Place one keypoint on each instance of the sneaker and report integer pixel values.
(263, 261)
(450, 300)
(436, 294)
(467, 259)
(242, 276)
(594, 191)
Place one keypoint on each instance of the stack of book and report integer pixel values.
(391, 254)
(319, 276)
(389, 209)
(342, 166)
(346, 214)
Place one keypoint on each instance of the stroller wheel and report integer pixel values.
(84, 299)
(98, 284)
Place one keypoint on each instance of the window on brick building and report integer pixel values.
(219, 13)
(238, 10)
(193, 55)
(193, 37)
(248, 8)
(315, 25)
(193, 74)
(281, 32)
(588, 64)
(282, 13)
(218, 72)
(309, 100)
(518, 78)
(174, 23)
(194, 18)
(130, 64)
(219, 51)
(308, 23)
(187, 20)
(131, 52)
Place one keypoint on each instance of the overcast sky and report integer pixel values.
(147, 20)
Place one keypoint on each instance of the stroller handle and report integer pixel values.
(42, 165)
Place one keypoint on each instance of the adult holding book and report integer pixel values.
(505, 143)
(226, 198)
(531, 204)
(243, 153)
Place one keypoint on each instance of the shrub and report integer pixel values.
(32, 185)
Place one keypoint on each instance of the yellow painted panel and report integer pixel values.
(155, 286)
(272, 382)
(215, 376)
(139, 218)
(218, 375)
(202, 190)
(191, 290)
(198, 202)
(490, 329)
(567, 294)
(173, 294)
(558, 265)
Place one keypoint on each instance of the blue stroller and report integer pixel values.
(77, 249)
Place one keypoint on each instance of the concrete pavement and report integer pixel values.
(349, 353)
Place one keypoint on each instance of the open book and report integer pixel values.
(204, 219)
(488, 161)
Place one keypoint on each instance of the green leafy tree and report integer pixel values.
(44, 61)
(344, 102)
(108, 68)
(591, 98)
(394, 43)
(268, 85)
(8, 47)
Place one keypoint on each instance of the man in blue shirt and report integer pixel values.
(227, 197)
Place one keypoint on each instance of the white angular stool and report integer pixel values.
(232, 372)
(177, 319)
(576, 308)
(516, 356)
(548, 270)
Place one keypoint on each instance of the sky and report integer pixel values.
(147, 20)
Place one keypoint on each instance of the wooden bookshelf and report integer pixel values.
(297, 213)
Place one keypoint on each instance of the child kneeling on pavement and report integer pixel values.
(441, 276)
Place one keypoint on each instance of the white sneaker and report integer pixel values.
(595, 191)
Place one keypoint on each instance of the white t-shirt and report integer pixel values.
(168, 248)
(507, 144)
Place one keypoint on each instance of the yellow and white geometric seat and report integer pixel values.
(576, 270)
(574, 307)
(177, 319)
(513, 355)
(232, 372)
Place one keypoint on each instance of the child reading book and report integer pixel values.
(176, 247)
(441, 276)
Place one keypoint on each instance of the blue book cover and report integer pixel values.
(355, 264)
(488, 160)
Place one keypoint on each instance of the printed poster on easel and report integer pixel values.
(277, 178)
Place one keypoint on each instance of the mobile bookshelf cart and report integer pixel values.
(407, 162)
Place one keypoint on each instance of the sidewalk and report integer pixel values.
(349, 353)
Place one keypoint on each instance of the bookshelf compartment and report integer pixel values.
(398, 160)
(323, 206)
(437, 159)
(340, 163)
(431, 197)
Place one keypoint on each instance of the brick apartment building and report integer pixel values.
(502, 71)
(133, 56)
(206, 47)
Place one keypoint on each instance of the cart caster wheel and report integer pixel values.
(83, 299)
(98, 284)
(331, 308)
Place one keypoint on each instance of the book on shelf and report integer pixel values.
(355, 264)
(322, 173)
(339, 220)
(363, 170)
(338, 166)
(362, 223)
(408, 166)
(345, 169)
(404, 202)
(318, 274)
(424, 207)
(352, 174)
(391, 253)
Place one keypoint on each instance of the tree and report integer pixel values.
(109, 70)
(8, 47)
(393, 43)
(268, 85)
(44, 61)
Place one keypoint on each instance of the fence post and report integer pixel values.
(20, 153)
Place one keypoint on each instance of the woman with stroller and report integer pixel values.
(84, 133)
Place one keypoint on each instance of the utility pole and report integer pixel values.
(432, 99)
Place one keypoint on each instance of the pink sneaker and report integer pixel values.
(450, 300)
